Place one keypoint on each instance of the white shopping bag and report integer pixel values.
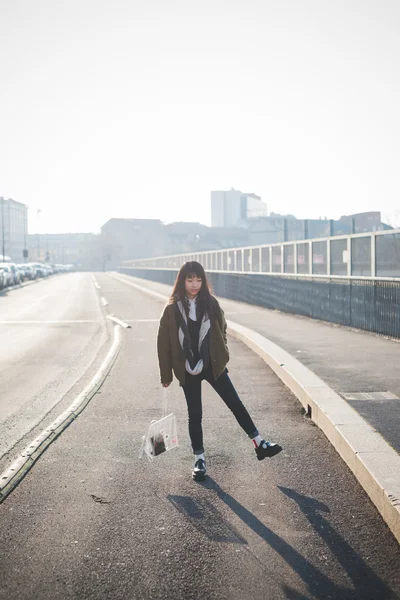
(161, 435)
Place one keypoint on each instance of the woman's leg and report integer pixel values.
(224, 387)
(192, 391)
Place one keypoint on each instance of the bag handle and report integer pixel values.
(164, 402)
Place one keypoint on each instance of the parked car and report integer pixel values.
(69, 268)
(41, 270)
(9, 277)
(2, 279)
(28, 270)
(21, 273)
(16, 273)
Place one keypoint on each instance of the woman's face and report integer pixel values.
(192, 286)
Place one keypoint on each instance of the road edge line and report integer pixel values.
(14, 474)
(373, 462)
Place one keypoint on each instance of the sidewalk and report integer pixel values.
(349, 362)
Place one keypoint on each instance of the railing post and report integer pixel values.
(260, 259)
(328, 257)
(373, 255)
(295, 258)
(349, 256)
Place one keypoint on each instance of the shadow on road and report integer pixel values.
(206, 518)
(366, 583)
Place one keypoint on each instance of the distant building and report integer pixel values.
(134, 238)
(13, 229)
(219, 238)
(184, 237)
(127, 239)
(231, 208)
(59, 248)
(366, 221)
(227, 208)
(285, 228)
(255, 207)
(265, 230)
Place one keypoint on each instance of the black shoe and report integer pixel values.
(266, 449)
(199, 471)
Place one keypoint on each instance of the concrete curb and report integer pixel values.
(375, 464)
(19, 286)
(10, 478)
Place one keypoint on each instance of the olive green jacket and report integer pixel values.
(170, 353)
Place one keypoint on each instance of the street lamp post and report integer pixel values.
(25, 252)
(39, 210)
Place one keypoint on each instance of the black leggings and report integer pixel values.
(224, 387)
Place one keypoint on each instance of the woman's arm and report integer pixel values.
(164, 349)
(219, 313)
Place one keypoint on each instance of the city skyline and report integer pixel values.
(238, 224)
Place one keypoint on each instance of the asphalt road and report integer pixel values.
(50, 332)
(92, 520)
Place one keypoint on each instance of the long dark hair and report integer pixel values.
(193, 269)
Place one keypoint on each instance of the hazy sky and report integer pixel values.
(135, 108)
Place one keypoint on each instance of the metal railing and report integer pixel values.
(373, 255)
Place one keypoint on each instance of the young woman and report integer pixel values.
(192, 343)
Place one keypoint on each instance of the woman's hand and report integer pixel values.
(165, 385)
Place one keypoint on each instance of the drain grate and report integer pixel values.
(371, 396)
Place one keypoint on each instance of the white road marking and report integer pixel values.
(96, 285)
(142, 320)
(244, 312)
(49, 322)
(119, 322)
(104, 302)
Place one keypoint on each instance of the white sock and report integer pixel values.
(257, 440)
(198, 456)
